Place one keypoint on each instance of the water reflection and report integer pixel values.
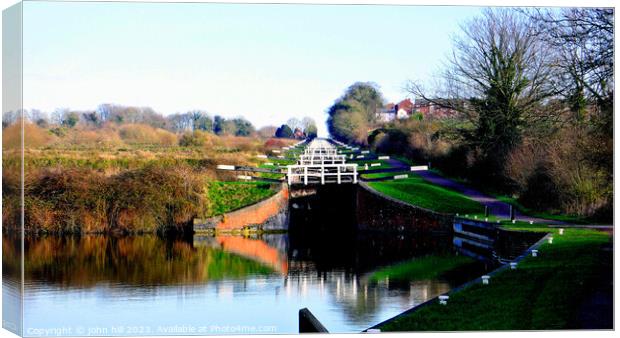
(107, 282)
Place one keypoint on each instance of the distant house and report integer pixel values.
(404, 109)
(299, 134)
(391, 111)
(432, 110)
(387, 113)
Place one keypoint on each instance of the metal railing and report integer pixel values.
(324, 173)
(321, 159)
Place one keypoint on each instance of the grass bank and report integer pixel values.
(417, 191)
(386, 175)
(228, 196)
(544, 292)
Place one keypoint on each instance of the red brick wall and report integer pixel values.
(262, 213)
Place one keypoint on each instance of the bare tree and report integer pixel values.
(497, 77)
(295, 123)
(583, 39)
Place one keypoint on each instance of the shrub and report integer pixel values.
(94, 138)
(79, 200)
(196, 139)
(34, 136)
(541, 192)
(155, 198)
(145, 134)
(69, 200)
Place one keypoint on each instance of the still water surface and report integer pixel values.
(102, 285)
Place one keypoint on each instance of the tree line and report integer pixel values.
(194, 120)
(534, 94)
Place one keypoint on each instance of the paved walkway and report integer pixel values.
(496, 207)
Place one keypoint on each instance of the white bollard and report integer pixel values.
(366, 166)
(534, 253)
(550, 240)
(418, 168)
(486, 219)
(485, 279)
(443, 299)
(531, 222)
(514, 221)
(513, 265)
(561, 231)
(475, 216)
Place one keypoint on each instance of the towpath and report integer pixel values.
(496, 207)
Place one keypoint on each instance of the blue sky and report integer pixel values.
(266, 63)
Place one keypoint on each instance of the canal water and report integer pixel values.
(148, 285)
(137, 285)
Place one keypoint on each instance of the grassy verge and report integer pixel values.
(556, 216)
(573, 219)
(544, 292)
(417, 191)
(361, 164)
(386, 175)
(227, 196)
(421, 268)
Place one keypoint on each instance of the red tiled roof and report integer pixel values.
(405, 104)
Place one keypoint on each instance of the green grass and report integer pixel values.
(228, 196)
(428, 267)
(544, 292)
(361, 163)
(572, 219)
(416, 191)
(556, 216)
(384, 175)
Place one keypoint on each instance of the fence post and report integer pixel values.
(338, 173)
(290, 178)
(305, 175)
